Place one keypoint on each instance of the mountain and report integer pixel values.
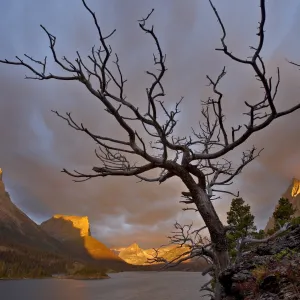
(27, 249)
(293, 194)
(138, 257)
(135, 255)
(74, 232)
(16, 227)
(64, 227)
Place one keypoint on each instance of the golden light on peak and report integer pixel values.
(296, 187)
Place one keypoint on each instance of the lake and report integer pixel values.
(121, 286)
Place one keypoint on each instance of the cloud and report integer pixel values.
(36, 145)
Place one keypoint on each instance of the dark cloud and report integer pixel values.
(36, 145)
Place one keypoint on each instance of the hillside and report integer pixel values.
(17, 228)
(293, 194)
(27, 248)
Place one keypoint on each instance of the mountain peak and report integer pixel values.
(134, 246)
(67, 226)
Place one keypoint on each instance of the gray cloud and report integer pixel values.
(36, 145)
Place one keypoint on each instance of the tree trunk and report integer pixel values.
(214, 225)
(217, 233)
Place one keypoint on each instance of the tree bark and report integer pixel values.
(217, 233)
(214, 225)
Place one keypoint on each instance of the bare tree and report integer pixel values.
(197, 160)
(192, 242)
(195, 246)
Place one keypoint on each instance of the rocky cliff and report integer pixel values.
(270, 271)
(293, 194)
(65, 227)
(74, 232)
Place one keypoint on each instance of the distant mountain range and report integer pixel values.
(64, 240)
(135, 255)
(293, 194)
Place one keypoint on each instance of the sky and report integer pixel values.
(36, 144)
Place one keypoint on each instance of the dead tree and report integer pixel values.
(195, 246)
(192, 242)
(197, 160)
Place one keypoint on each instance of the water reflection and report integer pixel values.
(122, 286)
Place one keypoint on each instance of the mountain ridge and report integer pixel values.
(135, 255)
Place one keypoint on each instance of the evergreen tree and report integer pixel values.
(240, 217)
(283, 213)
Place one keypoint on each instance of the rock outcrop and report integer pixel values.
(293, 194)
(269, 271)
(65, 227)
(74, 232)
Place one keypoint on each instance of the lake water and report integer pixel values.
(121, 286)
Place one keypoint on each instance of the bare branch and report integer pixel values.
(248, 240)
(263, 111)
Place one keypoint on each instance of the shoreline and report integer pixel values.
(74, 277)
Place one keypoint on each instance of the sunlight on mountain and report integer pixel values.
(296, 187)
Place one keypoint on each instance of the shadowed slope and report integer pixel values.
(74, 232)
(17, 227)
(57, 239)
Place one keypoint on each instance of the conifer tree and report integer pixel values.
(239, 217)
